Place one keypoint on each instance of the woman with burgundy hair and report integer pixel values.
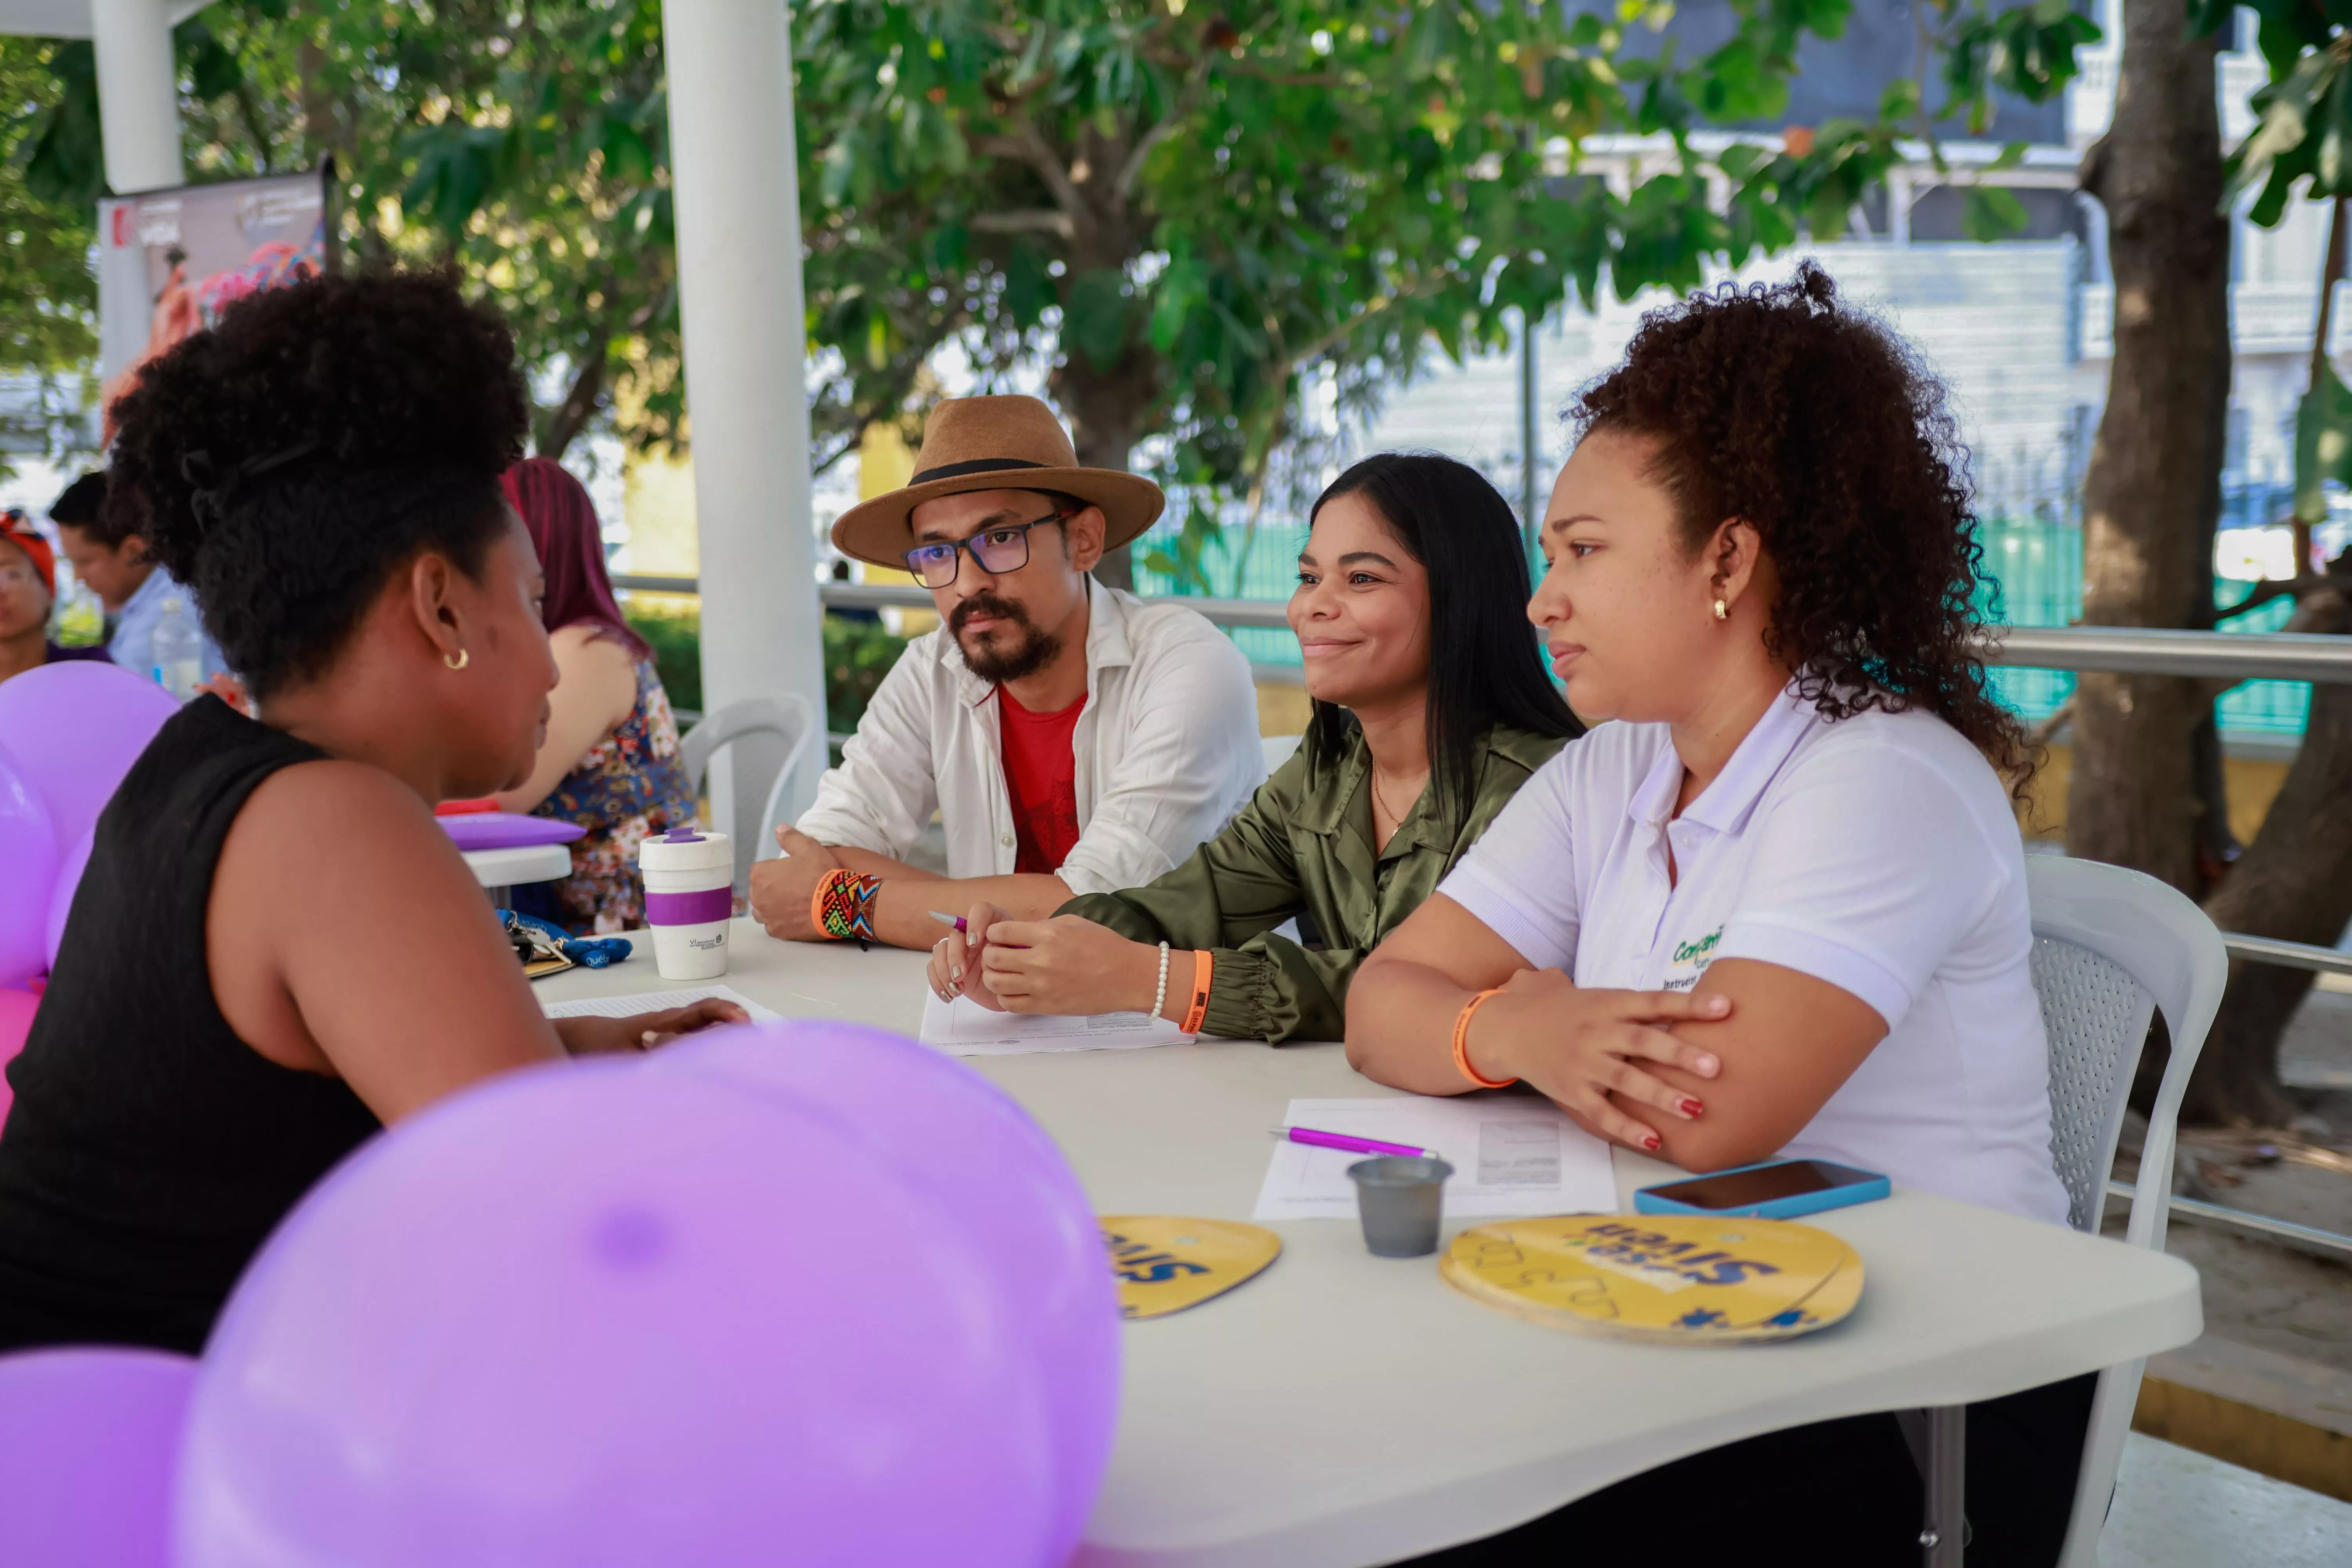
(610, 762)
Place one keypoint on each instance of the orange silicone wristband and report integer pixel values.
(1202, 964)
(1461, 1044)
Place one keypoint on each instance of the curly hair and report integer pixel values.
(284, 463)
(1781, 404)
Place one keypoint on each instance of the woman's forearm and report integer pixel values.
(1400, 1024)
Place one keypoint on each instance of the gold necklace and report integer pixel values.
(1395, 820)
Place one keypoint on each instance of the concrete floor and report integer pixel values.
(2177, 1509)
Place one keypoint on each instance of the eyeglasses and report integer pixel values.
(998, 550)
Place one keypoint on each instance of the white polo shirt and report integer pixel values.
(1876, 853)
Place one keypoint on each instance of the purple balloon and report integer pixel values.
(89, 1440)
(967, 1142)
(76, 728)
(28, 869)
(61, 895)
(586, 1315)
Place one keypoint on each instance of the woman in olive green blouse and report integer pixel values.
(1431, 708)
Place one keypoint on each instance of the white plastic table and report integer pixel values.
(1345, 1409)
(499, 870)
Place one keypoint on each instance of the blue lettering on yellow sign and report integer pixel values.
(1648, 1249)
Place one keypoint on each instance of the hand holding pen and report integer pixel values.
(954, 968)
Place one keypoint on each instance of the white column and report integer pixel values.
(138, 94)
(732, 170)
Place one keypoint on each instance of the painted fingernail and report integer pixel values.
(1718, 1004)
(1705, 1065)
(1652, 1142)
(1691, 1108)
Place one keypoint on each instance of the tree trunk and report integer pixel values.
(1107, 404)
(568, 418)
(2153, 492)
(1107, 409)
(2294, 883)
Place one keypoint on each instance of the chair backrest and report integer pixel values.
(1277, 749)
(790, 722)
(2111, 947)
(2097, 1016)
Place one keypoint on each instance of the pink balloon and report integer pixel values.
(61, 896)
(588, 1315)
(937, 1122)
(16, 1010)
(28, 869)
(89, 1441)
(76, 728)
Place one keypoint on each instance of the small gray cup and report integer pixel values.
(1400, 1201)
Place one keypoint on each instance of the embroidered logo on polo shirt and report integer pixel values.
(1695, 955)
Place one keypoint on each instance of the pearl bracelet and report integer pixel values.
(1160, 997)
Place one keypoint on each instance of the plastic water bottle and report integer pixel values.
(178, 649)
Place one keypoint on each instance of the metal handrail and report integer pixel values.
(2121, 650)
(2142, 650)
(2288, 954)
(2242, 1219)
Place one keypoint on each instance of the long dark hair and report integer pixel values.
(1483, 665)
(1782, 404)
(561, 522)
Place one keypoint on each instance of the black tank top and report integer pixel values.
(150, 1149)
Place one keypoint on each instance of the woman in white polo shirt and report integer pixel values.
(1779, 906)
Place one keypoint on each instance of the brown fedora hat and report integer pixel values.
(994, 444)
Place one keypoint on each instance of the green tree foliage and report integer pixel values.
(527, 146)
(2302, 138)
(1190, 211)
(48, 297)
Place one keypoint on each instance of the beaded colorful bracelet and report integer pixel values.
(1461, 1044)
(843, 906)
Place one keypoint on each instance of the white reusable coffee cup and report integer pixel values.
(689, 898)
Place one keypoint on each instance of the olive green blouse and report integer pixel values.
(1304, 846)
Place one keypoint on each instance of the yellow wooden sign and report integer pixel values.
(1166, 1263)
(1668, 1278)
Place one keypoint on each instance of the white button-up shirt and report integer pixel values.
(1166, 751)
(1876, 853)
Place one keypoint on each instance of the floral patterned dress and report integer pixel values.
(628, 785)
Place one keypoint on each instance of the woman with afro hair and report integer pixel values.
(1779, 906)
(275, 949)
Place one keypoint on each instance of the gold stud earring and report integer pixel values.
(464, 656)
(1722, 611)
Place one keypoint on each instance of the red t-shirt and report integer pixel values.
(1041, 774)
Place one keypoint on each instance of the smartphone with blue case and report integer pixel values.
(1777, 1189)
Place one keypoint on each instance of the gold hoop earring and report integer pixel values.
(464, 656)
(1722, 611)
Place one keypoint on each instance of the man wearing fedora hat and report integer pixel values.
(1073, 737)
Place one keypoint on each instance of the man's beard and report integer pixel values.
(1033, 653)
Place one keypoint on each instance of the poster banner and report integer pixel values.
(170, 261)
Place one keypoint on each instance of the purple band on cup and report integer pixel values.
(691, 909)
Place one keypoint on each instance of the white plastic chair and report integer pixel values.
(1278, 748)
(790, 719)
(2110, 946)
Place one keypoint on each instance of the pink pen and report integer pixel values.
(955, 921)
(1353, 1145)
